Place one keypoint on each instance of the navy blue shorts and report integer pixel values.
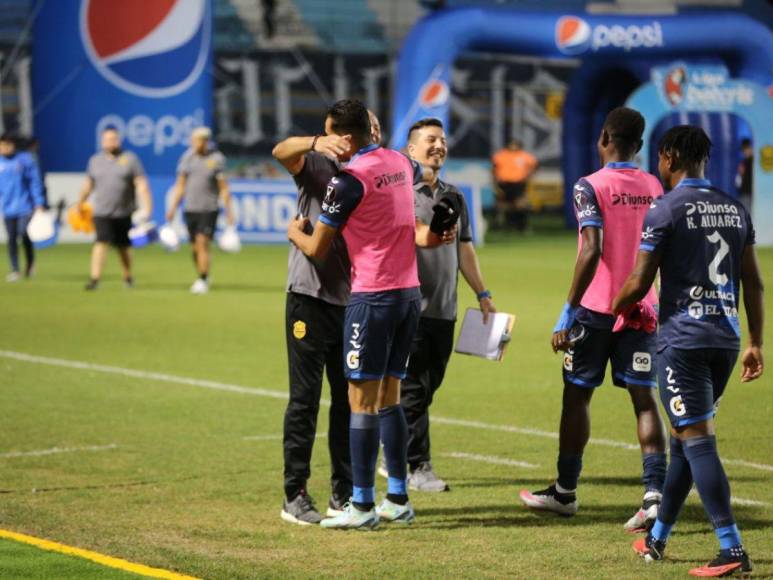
(378, 331)
(692, 382)
(631, 352)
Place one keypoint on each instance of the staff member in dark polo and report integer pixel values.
(201, 181)
(316, 297)
(438, 274)
(114, 176)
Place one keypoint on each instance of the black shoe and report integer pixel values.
(301, 511)
(128, 282)
(649, 548)
(737, 561)
(91, 285)
(564, 504)
(336, 505)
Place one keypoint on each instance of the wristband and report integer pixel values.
(566, 319)
(314, 143)
(484, 294)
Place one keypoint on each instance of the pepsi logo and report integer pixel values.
(434, 93)
(573, 35)
(149, 48)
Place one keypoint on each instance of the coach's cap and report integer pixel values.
(201, 133)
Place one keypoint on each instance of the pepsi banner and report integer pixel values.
(140, 66)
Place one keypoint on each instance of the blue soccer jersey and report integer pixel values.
(702, 234)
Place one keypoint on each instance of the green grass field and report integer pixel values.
(187, 476)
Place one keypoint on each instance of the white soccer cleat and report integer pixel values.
(644, 518)
(396, 513)
(550, 500)
(352, 519)
(13, 277)
(200, 287)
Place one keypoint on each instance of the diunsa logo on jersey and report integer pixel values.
(149, 48)
(575, 36)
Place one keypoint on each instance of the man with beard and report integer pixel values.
(438, 275)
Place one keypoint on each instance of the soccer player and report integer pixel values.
(114, 176)
(200, 180)
(371, 203)
(21, 193)
(610, 206)
(438, 274)
(317, 292)
(702, 241)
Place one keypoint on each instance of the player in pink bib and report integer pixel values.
(610, 206)
(371, 203)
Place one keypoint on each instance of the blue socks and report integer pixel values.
(363, 444)
(364, 431)
(697, 459)
(569, 468)
(654, 471)
(711, 481)
(677, 485)
(394, 435)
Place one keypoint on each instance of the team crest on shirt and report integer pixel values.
(212, 163)
(677, 406)
(123, 160)
(299, 329)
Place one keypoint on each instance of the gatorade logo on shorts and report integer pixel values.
(569, 361)
(677, 406)
(126, 40)
(353, 359)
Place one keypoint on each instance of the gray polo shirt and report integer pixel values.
(201, 173)
(439, 267)
(328, 281)
(113, 177)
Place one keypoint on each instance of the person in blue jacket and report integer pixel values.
(21, 193)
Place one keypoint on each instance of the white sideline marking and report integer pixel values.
(736, 500)
(56, 450)
(742, 463)
(489, 459)
(526, 431)
(73, 364)
(218, 386)
(275, 437)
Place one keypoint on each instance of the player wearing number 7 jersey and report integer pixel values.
(702, 242)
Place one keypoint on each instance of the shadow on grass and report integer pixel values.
(514, 514)
(541, 482)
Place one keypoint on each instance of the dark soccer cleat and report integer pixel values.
(649, 548)
(301, 511)
(737, 562)
(91, 285)
(549, 499)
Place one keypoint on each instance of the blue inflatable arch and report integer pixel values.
(617, 46)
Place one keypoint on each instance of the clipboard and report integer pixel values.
(486, 341)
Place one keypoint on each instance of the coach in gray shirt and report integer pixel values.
(317, 294)
(114, 176)
(438, 276)
(201, 181)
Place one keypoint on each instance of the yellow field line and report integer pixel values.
(109, 561)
